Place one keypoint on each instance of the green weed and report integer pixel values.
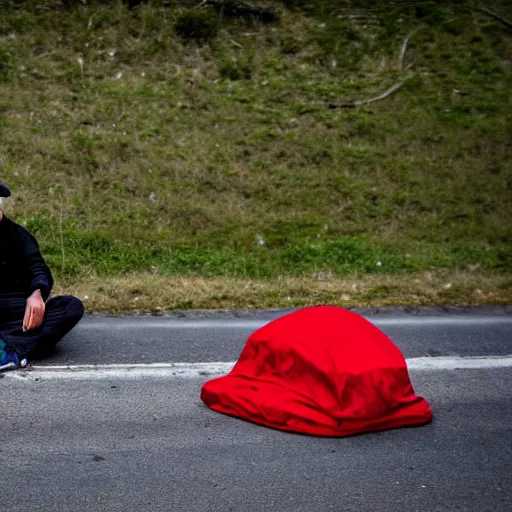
(172, 138)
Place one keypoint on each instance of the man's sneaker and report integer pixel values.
(8, 360)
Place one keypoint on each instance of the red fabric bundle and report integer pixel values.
(322, 371)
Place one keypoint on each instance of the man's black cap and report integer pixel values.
(4, 191)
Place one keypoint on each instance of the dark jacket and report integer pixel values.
(22, 267)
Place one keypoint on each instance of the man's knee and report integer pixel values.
(76, 307)
(70, 306)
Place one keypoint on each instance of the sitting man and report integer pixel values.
(30, 323)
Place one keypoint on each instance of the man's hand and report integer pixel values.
(34, 311)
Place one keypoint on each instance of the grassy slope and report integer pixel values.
(217, 162)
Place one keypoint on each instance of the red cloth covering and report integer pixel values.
(322, 371)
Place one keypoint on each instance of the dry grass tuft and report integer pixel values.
(156, 294)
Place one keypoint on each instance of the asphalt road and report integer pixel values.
(116, 444)
(104, 340)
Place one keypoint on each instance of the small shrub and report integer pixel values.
(200, 25)
(232, 69)
(340, 41)
(317, 8)
(290, 45)
(7, 67)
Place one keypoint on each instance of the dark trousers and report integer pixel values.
(62, 313)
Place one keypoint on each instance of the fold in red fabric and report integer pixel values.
(322, 371)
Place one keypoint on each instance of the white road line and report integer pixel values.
(230, 323)
(209, 370)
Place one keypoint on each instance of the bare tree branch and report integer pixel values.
(496, 16)
(392, 89)
(353, 104)
(403, 49)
